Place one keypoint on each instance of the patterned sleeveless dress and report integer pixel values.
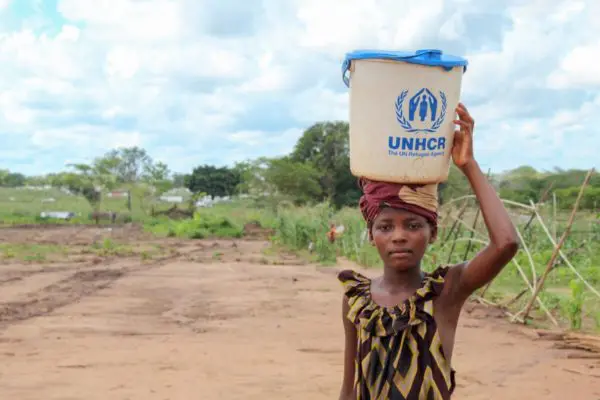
(399, 352)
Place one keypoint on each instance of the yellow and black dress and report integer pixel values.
(399, 354)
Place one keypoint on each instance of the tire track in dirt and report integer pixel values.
(17, 275)
(69, 290)
(85, 282)
(57, 295)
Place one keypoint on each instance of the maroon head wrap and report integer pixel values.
(419, 199)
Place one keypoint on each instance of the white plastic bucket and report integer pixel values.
(402, 107)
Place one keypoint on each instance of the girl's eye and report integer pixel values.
(385, 228)
(414, 226)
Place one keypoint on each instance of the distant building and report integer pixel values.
(65, 215)
(118, 194)
(171, 199)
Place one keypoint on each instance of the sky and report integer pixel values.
(207, 81)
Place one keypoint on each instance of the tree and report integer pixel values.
(325, 146)
(134, 169)
(216, 181)
(252, 177)
(36, 180)
(456, 185)
(567, 197)
(157, 175)
(178, 180)
(81, 183)
(296, 180)
(109, 164)
(96, 175)
(128, 164)
(89, 181)
(270, 181)
(11, 179)
(3, 174)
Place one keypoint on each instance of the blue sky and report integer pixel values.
(207, 81)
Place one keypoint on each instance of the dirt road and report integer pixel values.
(227, 320)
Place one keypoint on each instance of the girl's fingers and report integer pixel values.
(463, 108)
(467, 125)
(464, 114)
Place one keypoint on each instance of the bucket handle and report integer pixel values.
(345, 68)
(346, 64)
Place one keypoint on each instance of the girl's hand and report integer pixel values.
(462, 149)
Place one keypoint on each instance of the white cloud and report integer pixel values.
(579, 68)
(247, 138)
(270, 76)
(320, 104)
(535, 40)
(199, 81)
(587, 112)
(134, 20)
(453, 28)
(12, 112)
(568, 11)
(88, 138)
(122, 62)
(270, 144)
(338, 25)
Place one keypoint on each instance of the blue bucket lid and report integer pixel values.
(430, 57)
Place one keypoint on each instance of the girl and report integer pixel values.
(400, 327)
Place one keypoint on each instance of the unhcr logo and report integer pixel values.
(426, 112)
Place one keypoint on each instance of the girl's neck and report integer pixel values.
(395, 281)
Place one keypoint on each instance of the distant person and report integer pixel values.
(400, 327)
(331, 233)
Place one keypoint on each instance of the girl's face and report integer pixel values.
(401, 237)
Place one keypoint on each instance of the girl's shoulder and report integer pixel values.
(357, 288)
(350, 275)
(354, 283)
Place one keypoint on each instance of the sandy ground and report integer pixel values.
(223, 320)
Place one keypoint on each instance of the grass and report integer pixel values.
(30, 252)
(23, 206)
(297, 228)
(20, 206)
(221, 221)
(573, 305)
(110, 248)
(44, 253)
(303, 230)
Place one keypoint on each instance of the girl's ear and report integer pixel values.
(434, 233)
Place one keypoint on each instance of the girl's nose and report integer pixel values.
(399, 235)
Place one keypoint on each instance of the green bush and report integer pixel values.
(203, 225)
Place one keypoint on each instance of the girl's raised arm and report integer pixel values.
(503, 245)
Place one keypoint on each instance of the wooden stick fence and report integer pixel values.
(533, 283)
